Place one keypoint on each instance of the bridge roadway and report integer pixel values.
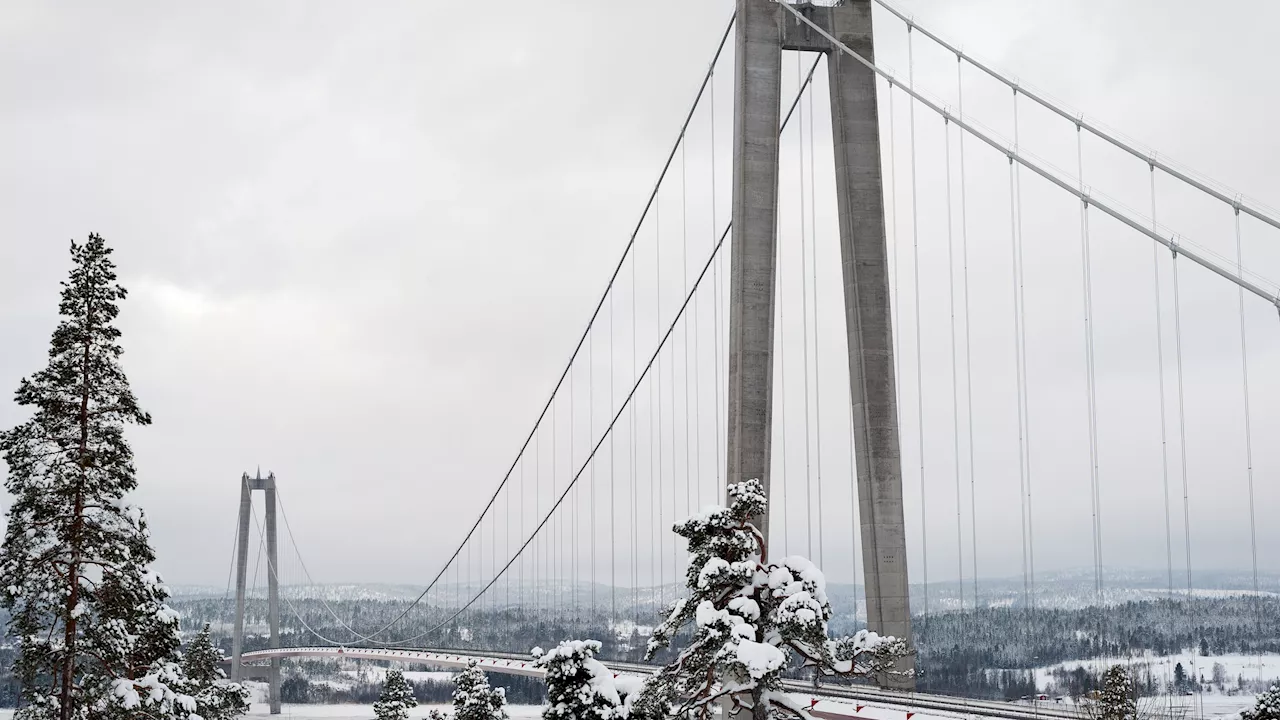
(831, 702)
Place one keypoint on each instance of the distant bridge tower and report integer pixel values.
(268, 487)
(763, 30)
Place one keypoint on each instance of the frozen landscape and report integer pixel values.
(427, 358)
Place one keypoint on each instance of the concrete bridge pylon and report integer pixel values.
(268, 487)
(763, 31)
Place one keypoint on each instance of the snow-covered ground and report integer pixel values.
(1219, 706)
(1161, 666)
(365, 712)
(624, 628)
(1214, 706)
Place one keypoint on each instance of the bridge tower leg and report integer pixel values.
(268, 487)
(242, 568)
(273, 594)
(757, 87)
(764, 30)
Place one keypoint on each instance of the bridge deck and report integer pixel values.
(834, 702)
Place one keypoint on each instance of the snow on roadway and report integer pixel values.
(1215, 706)
(364, 712)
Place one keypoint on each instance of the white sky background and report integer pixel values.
(361, 242)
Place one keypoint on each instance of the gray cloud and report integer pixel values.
(360, 244)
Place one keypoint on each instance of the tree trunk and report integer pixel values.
(761, 709)
(77, 522)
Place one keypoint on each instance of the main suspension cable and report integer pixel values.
(1016, 157)
(665, 337)
(271, 568)
(1078, 120)
(608, 431)
(595, 313)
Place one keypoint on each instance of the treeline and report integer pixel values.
(981, 653)
(956, 649)
(306, 684)
(1018, 638)
(513, 630)
(1010, 638)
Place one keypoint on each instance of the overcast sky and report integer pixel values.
(360, 242)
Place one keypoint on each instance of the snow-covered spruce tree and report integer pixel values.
(396, 699)
(749, 616)
(215, 698)
(475, 699)
(96, 639)
(580, 687)
(1266, 708)
(1116, 702)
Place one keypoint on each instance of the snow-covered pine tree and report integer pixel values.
(215, 699)
(1116, 702)
(475, 699)
(96, 638)
(580, 687)
(749, 616)
(396, 699)
(1266, 708)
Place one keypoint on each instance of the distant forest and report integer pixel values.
(984, 653)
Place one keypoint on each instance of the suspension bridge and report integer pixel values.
(973, 371)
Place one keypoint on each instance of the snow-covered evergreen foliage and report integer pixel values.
(215, 698)
(97, 639)
(749, 616)
(475, 699)
(1116, 701)
(580, 687)
(1266, 708)
(396, 699)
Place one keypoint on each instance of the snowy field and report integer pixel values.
(1214, 707)
(351, 712)
(1161, 666)
(365, 712)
